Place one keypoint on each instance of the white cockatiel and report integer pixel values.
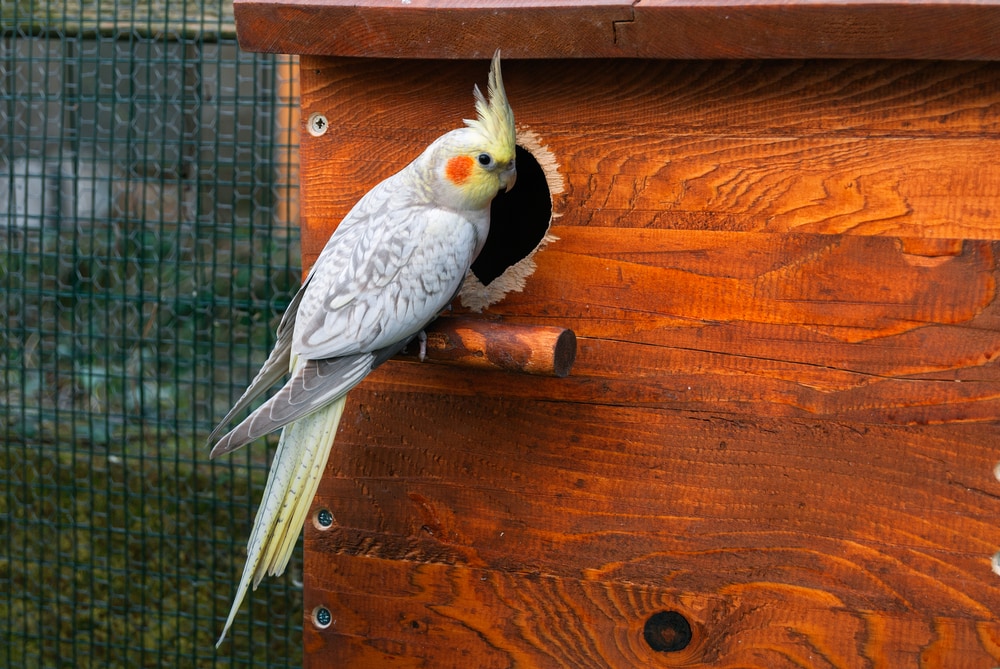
(392, 265)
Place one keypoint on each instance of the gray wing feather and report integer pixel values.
(273, 370)
(313, 386)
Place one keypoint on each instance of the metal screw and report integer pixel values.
(317, 124)
(324, 518)
(322, 617)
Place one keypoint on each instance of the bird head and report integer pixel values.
(476, 162)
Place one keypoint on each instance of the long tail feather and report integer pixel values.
(298, 465)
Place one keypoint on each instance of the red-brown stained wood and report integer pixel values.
(760, 324)
(857, 147)
(916, 29)
(782, 419)
(543, 534)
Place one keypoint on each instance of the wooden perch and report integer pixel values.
(527, 349)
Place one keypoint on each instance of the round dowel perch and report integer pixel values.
(527, 349)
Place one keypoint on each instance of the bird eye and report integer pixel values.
(485, 159)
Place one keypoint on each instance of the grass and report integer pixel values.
(113, 562)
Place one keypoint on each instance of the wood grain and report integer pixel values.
(781, 423)
(498, 619)
(614, 29)
(865, 148)
(761, 325)
(477, 343)
(543, 534)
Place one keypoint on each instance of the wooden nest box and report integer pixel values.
(773, 228)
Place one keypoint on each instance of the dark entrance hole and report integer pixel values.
(519, 220)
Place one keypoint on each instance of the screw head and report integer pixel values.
(322, 617)
(324, 518)
(317, 124)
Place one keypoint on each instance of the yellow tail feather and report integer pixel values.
(298, 465)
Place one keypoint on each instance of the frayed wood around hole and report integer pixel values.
(519, 227)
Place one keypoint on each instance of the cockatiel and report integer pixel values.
(392, 265)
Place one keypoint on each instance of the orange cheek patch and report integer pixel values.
(458, 169)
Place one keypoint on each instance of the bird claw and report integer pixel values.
(422, 338)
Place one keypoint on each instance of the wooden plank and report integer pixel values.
(687, 29)
(922, 187)
(454, 617)
(867, 148)
(795, 98)
(759, 324)
(839, 29)
(428, 29)
(484, 531)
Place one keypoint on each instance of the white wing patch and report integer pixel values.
(386, 272)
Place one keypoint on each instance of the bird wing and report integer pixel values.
(314, 385)
(388, 270)
(274, 368)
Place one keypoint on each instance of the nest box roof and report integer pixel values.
(443, 29)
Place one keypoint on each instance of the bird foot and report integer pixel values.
(422, 338)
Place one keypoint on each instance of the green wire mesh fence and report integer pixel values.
(148, 245)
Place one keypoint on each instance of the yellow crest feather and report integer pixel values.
(495, 118)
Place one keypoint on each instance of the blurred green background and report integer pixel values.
(148, 246)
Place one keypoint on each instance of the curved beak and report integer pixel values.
(508, 177)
